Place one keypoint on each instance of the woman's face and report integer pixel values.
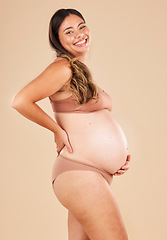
(74, 35)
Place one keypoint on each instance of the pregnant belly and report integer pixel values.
(96, 138)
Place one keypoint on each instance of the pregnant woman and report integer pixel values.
(91, 146)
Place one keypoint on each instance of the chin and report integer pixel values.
(81, 51)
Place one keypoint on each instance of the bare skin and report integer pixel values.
(75, 229)
(93, 211)
(89, 198)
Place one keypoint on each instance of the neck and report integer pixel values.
(83, 58)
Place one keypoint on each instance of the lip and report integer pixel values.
(81, 40)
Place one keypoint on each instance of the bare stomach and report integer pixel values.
(96, 138)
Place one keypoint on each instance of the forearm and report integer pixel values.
(34, 113)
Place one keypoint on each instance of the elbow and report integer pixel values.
(16, 102)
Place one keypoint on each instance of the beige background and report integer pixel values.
(128, 58)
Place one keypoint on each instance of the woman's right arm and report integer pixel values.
(47, 83)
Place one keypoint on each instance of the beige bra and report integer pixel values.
(70, 104)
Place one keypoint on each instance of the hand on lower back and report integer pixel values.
(61, 139)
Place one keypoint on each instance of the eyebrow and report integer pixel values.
(72, 27)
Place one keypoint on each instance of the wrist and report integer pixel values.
(56, 128)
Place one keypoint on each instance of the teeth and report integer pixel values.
(81, 42)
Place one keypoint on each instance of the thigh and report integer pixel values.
(75, 229)
(90, 199)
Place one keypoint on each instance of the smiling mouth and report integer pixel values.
(81, 43)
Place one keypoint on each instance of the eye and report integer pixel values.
(69, 32)
(83, 27)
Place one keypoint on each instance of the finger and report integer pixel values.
(59, 148)
(128, 157)
(58, 151)
(125, 167)
(117, 174)
(69, 147)
(127, 162)
(121, 171)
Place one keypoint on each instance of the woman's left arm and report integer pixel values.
(124, 168)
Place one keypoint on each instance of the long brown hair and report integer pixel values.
(81, 83)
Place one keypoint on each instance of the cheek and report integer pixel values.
(70, 40)
(63, 40)
(66, 41)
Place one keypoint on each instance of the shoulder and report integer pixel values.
(60, 66)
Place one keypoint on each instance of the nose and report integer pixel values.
(78, 34)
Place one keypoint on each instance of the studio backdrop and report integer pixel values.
(128, 59)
